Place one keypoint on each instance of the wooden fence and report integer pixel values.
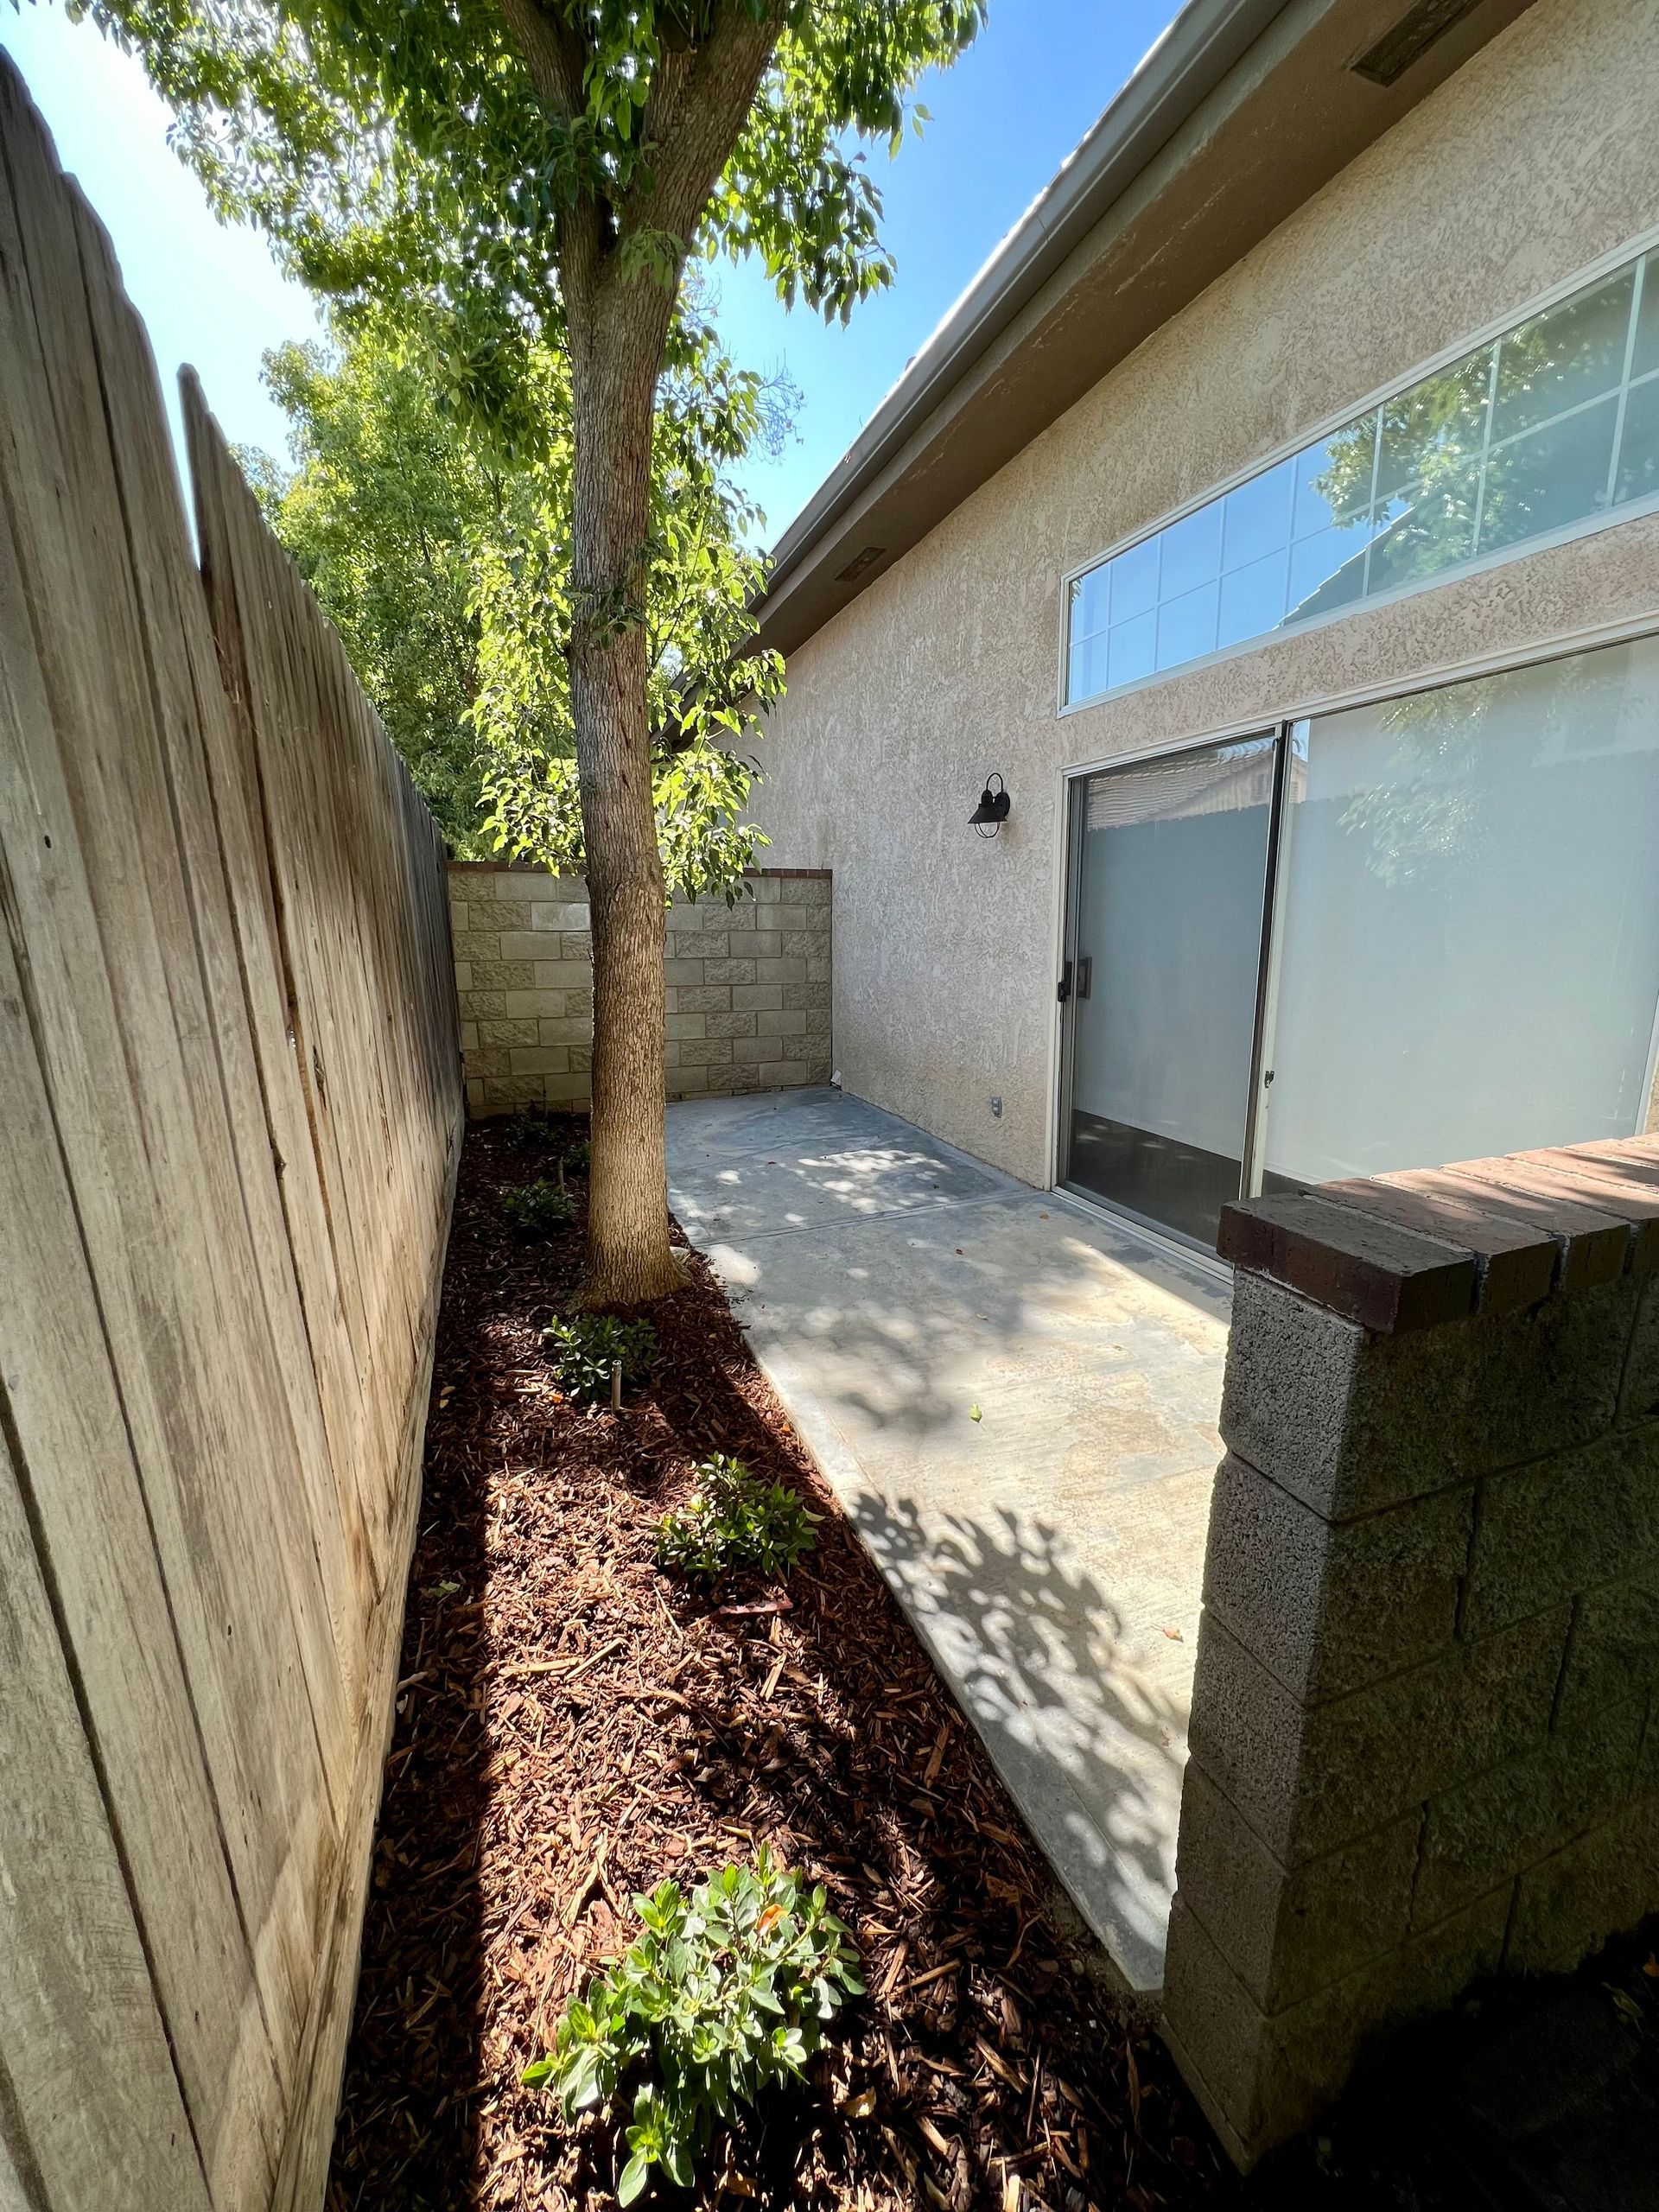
(230, 1110)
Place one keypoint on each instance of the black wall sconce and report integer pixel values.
(992, 811)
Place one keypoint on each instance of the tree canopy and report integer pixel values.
(491, 158)
(385, 510)
(444, 566)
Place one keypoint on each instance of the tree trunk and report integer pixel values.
(613, 391)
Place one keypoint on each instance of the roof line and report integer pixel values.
(1170, 81)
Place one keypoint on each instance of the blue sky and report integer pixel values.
(1003, 120)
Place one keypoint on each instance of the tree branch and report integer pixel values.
(555, 57)
(551, 54)
(710, 103)
(663, 102)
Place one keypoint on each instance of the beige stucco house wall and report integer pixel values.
(1537, 158)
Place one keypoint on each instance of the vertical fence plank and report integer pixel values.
(60, 1406)
(102, 918)
(230, 1110)
(90, 2082)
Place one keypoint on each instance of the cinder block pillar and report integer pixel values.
(1423, 1738)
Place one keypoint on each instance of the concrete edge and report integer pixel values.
(1135, 1978)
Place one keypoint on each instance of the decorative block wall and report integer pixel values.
(1425, 1744)
(747, 1005)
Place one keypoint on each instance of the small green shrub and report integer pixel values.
(577, 1157)
(532, 1128)
(736, 1524)
(725, 1994)
(584, 1350)
(538, 1209)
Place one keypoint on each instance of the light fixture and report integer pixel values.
(993, 808)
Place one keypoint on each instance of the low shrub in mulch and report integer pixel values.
(574, 1727)
(725, 1994)
(539, 1209)
(537, 1129)
(585, 1350)
(736, 1524)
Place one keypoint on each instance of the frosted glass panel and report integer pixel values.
(1168, 935)
(1469, 934)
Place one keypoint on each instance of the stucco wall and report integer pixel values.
(1535, 159)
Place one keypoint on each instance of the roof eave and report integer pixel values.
(1196, 159)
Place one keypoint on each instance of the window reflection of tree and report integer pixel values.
(1427, 468)
(1437, 489)
(1434, 809)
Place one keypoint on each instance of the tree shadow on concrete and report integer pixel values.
(1090, 1743)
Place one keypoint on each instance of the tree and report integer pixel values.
(387, 512)
(704, 682)
(443, 567)
(538, 172)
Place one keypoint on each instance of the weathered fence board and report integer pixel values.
(229, 1114)
(74, 1985)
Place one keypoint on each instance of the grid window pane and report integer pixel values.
(1192, 551)
(1327, 569)
(1639, 448)
(1135, 649)
(1186, 626)
(1256, 518)
(1427, 529)
(1510, 441)
(1436, 423)
(1333, 479)
(1089, 596)
(1563, 357)
(1135, 581)
(1253, 599)
(1556, 476)
(1646, 359)
(1086, 667)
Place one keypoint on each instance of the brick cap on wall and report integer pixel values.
(1413, 1249)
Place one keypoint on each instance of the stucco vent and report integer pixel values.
(855, 568)
(1410, 39)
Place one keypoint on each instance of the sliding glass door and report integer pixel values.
(1169, 871)
(1466, 946)
(1392, 937)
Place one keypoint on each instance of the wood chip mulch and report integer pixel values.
(573, 1726)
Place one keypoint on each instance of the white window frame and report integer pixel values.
(1589, 525)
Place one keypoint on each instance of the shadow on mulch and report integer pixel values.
(573, 1726)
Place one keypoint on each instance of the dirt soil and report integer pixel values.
(573, 1726)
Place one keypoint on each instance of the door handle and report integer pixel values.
(1086, 975)
(1065, 991)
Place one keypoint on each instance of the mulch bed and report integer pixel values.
(574, 1725)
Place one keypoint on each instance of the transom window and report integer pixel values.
(1542, 431)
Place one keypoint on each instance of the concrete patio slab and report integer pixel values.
(1016, 1402)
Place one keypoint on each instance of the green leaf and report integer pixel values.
(737, 1524)
(633, 2178)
